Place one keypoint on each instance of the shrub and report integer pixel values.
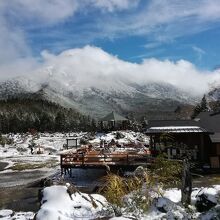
(5, 140)
(21, 149)
(136, 194)
(83, 141)
(166, 172)
(119, 135)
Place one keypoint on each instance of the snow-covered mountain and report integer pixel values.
(214, 94)
(100, 96)
(18, 86)
(95, 82)
(213, 98)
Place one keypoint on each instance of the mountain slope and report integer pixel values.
(213, 98)
(153, 100)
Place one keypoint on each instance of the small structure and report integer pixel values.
(199, 138)
(40, 150)
(179, 139)
(72, 143)
(114, 121)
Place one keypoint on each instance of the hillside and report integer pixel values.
(152, 100)
(23, 114)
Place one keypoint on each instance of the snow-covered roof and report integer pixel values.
(176, 129)
(114, 117)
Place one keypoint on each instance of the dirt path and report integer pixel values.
(3, 165)
(11, 179)
(19, 198)
(206, 180)
(16, 192)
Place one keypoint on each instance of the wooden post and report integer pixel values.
(186, 189)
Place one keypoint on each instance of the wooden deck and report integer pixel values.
(85, 157)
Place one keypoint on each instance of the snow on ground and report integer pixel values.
(169, 206)
(64, 202)
(45, 153)
(122, 137)
(56, 200)
(21, 144)
(7, 214)
(44, 148)
(173, 194)
(57, 203)
(211, 193)
(53, 143)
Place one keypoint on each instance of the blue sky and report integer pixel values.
(192, 35)
(201, 48)
(134, 31)
(131, 29)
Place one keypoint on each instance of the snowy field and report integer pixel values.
(44, 153)
(17, 159)
(51, 144)
(19, 166)
(64, 202)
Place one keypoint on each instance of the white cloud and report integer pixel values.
(162, 19)
(15, 53)
(165, 20)
(16, 16)
(112, 5)
(91, 66)
(43, 11)
(151, 45)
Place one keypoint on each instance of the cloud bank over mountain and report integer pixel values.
(92, 66)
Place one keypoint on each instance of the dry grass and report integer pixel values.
(164, 173)
(116, 187)
(32, 166)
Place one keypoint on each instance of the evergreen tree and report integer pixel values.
(203, 104)
(60, 122)
(202, 107)
(21, 115)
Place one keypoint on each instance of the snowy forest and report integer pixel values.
(21, 115)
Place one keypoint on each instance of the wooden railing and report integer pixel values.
(95, 158)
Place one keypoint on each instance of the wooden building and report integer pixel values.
(198, 139)
(178, 139)
(211, 122)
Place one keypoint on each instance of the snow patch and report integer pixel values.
(57, 203)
